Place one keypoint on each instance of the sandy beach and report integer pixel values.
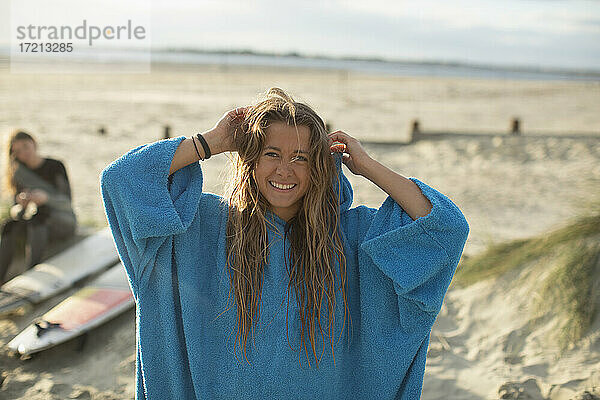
(508, 187)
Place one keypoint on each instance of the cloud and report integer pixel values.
(542, 16)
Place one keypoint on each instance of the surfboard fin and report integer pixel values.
(43, 326)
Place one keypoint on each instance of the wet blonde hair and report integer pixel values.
(314, 233)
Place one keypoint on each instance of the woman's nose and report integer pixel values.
(284, 168)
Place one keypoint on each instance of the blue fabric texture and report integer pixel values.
(171, 239)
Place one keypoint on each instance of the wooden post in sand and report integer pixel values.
(167, 134)
(415, 131)
(515, 127)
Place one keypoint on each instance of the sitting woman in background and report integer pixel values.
(42, 208)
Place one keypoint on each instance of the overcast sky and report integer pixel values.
(547, 33)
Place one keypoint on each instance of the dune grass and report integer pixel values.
(571, 290)
(501, 258)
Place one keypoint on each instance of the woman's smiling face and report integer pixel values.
(282, 171)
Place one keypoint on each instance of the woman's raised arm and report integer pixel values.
(415, 238)
(405, 192)
(219, 140)
(142, 209)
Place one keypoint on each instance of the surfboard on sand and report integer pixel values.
(60, 272)
(102, 299)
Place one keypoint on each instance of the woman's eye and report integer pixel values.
(271, 154)
(299, 158)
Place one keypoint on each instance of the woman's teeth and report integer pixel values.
(282, 187)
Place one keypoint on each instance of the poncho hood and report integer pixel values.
(346, 193)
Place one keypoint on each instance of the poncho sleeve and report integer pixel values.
(419, 256)
(145, 206)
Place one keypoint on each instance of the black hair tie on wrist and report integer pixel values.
(204, 146)
(197, 152)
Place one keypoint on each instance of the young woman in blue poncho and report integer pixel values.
(279, 290)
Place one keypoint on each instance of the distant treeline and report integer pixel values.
(442, 63)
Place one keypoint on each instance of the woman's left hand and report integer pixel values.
(354, 155)
(39, 196)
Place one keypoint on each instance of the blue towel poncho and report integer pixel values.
(171, 240)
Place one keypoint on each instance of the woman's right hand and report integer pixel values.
(220, 137)
(23, 198)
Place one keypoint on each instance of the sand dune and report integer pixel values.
(527, 326)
